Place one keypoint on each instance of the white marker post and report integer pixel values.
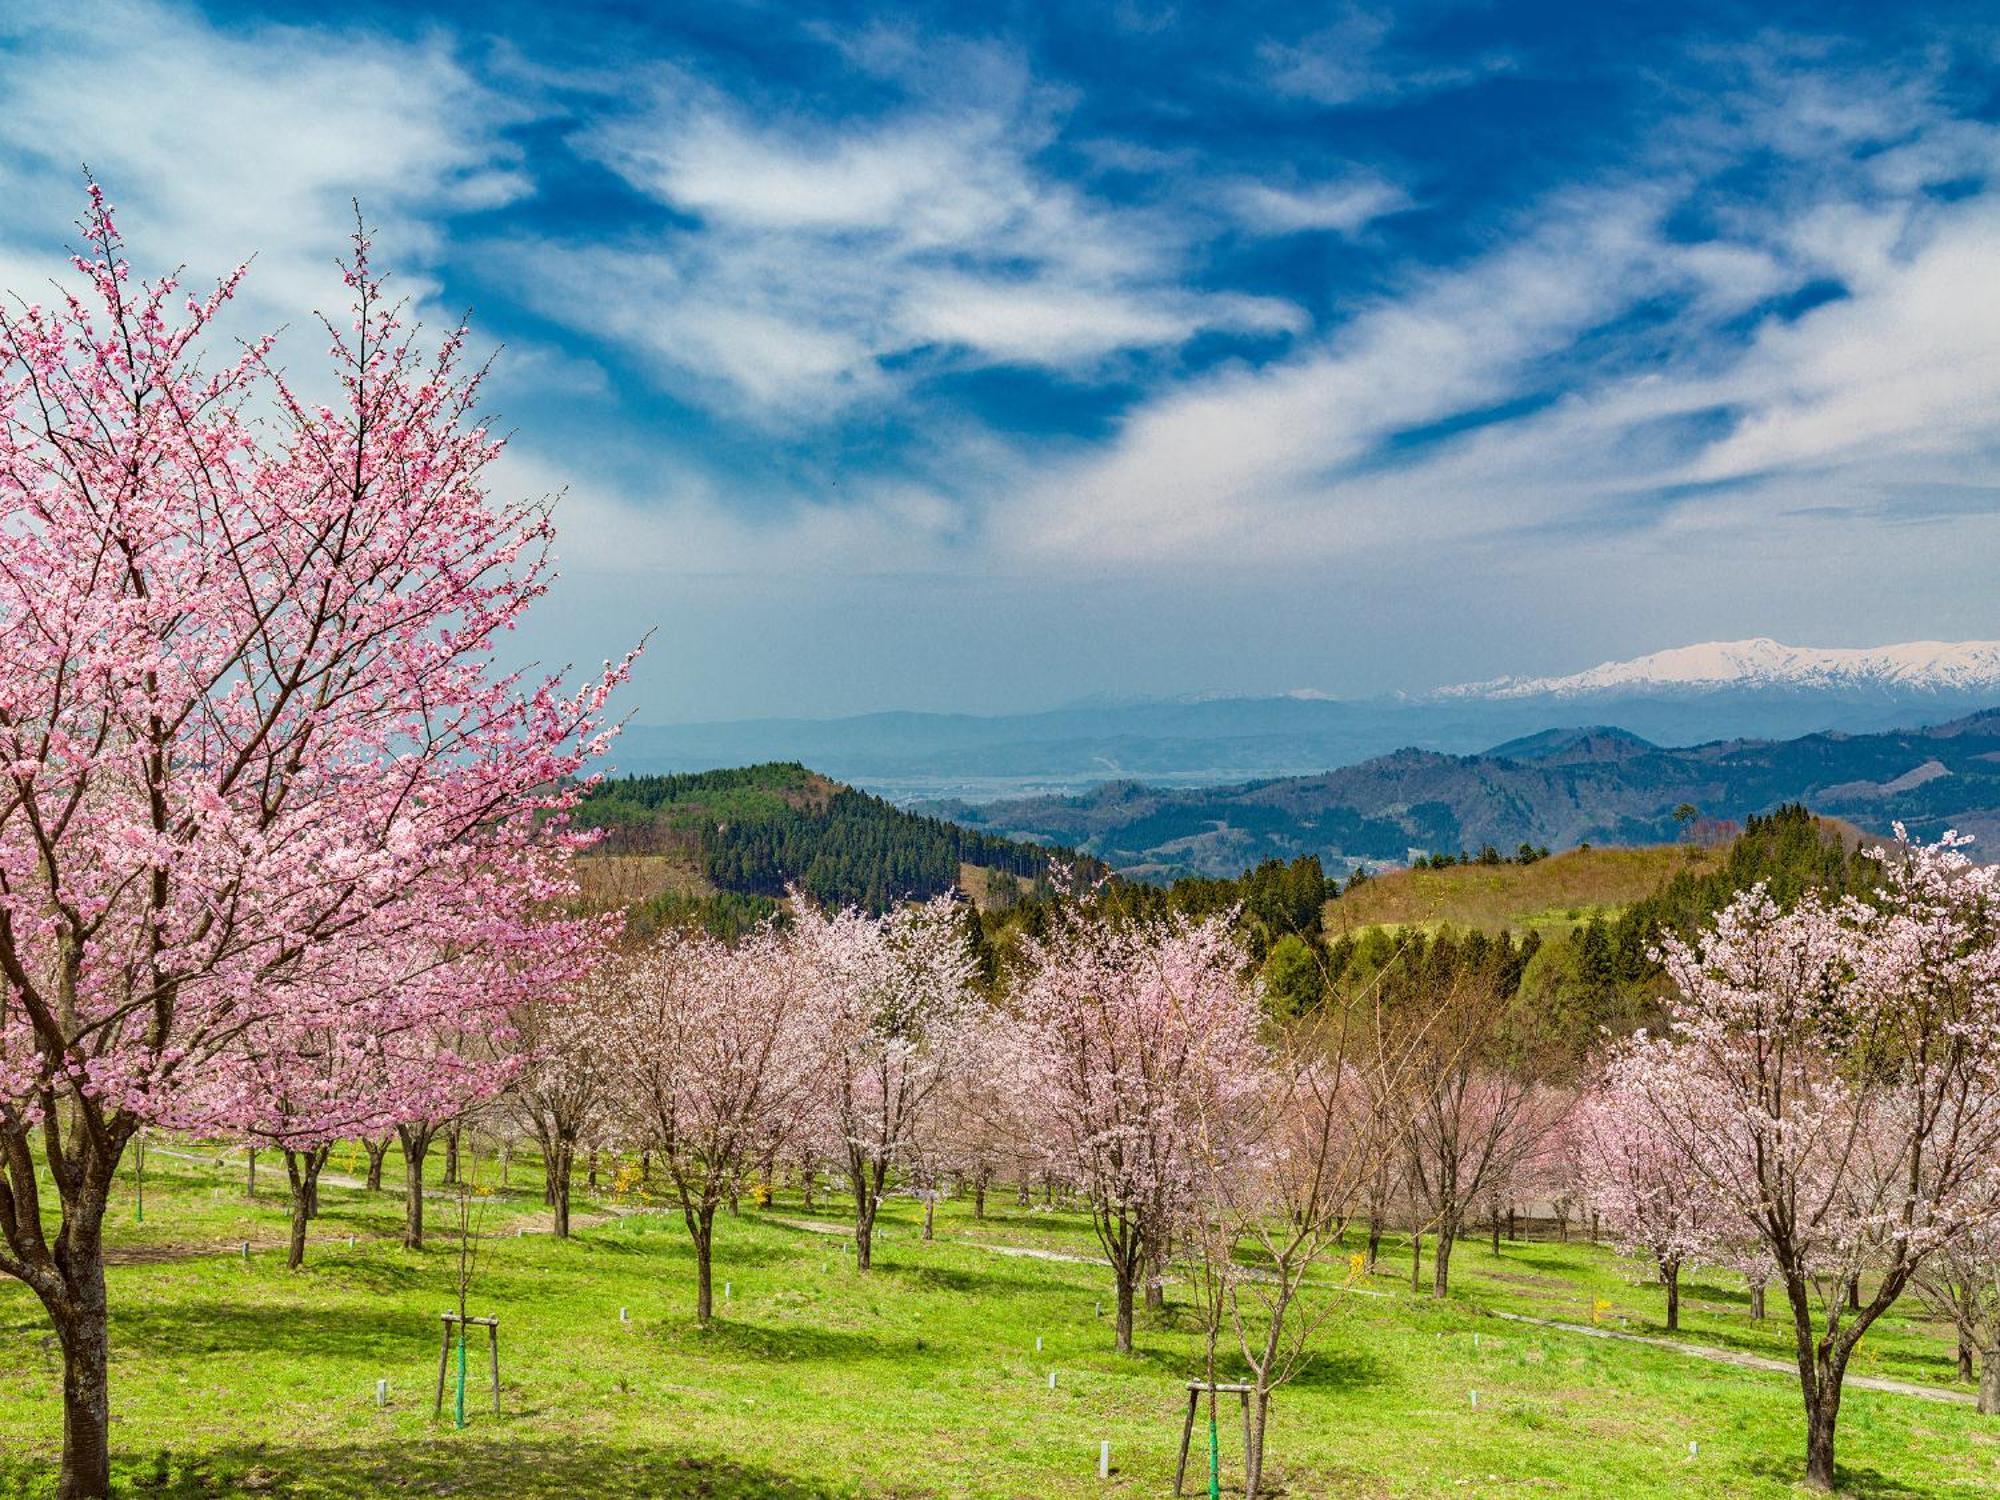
(1038, 1343)
(1694, 1448)
(1475, 1401)
(1052, 1380)
(246, 1249)
(727, 1288)
(1104, 1459)
(624, 1314)
(381, 1393)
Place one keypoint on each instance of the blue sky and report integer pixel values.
(987, 358)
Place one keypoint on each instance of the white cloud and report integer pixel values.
(1342, 206)
(821, 253)
(220, 144)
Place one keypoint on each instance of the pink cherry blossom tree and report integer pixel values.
(249, 721)
(896, 999)
(1647, 1192)
(720, 1053)
(1833, 1073)
(1125, 1036)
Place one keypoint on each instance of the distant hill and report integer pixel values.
(1548, 895)
(1596, 786)
(1689, 695)
(723, 846)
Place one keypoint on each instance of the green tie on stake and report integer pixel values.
(1214, 1454)
(461, 1374)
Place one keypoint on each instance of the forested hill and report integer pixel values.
(752, 832)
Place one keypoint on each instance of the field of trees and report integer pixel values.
(921, 1378)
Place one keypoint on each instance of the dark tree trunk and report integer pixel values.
(1989, 1382)
(302, 1169)
(1447, 1235)
(378, 1151)
(416, 1144)
(1821, 1418)
(81, 1329)
(1757, 1302)
(1122, 1338)
(1671, 1274)
(1965, 1370)
(930, 1215)
(451, 1157)
(1416, 1261)
(701, 1226)
(1512, 1226)
(250, 1183)
(1156, 1295)
(1021, 1192)
(561, 1165)
(979, 1196)
(807, 1180)
(1374, 1241)
(1496, 1231)
(591, 1181)
(1854, 1293)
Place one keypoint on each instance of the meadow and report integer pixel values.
(231, 1375)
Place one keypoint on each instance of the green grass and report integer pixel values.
(917, 1379)
(1551, 894)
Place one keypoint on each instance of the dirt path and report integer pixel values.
(1739, 1358)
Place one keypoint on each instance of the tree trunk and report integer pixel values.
(302, 1169)
(451, 1157)
(1253, 1457)
(1512, 1225)
(591, 1182)
(81, 1329)
(416, 1143)
(560, 1167)
(1854, 1293)
(1416, 1261)
(1965, 1371)
(864, 1233)
(1821, 1417)
(930, 1215)
(250, 1186)
(1021, 1192)
(377, 1152)
(1989, 1382)
(1122, 1339)
(1496, 1231)
(1671, 1274)
(806, 1181)
(979, 1196)
(1441, 1260)
(1374, 1241)
(701, 1224)
(1757, 1302)
(1593, 1226)
(1156, 1294)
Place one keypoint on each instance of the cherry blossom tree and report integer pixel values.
(897, 1003)
(1648, 1193)
(1477, 1112)
(1124, 1036)
(1961, 1283)
(1833, 1073)
(567, 1085)
(249, 721)
(720, 1054)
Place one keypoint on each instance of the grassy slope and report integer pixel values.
(919, 1379)
(1552, 893)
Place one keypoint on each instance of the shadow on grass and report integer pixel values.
(445, 1463)
(789, 1342)
(951, 1279)
(210, 1326)
(1856, 1484)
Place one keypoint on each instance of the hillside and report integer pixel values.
(1551, 893)
(1595, 785)
(724, 846)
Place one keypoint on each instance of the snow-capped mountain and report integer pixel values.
(1765, 665)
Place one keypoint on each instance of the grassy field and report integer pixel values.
(920, 1378)
(1551, 894)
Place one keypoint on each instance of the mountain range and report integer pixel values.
(1556, 788)
(1690, 695)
